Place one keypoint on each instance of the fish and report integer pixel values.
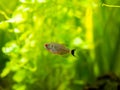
(59, 49)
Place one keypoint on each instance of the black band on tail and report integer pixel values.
(73, 52)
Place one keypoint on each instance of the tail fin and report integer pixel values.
(73, 52)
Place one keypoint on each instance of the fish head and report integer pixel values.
(48, 46)
(52, 47)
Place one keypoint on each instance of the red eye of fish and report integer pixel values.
(46, 45)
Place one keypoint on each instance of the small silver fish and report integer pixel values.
(59, 49)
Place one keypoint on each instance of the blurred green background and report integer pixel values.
(86, 25)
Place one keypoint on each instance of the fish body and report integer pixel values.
(56, 48)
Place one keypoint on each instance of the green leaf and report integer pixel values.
(5, 72)
(20, 76)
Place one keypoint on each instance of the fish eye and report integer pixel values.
(46, 45)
